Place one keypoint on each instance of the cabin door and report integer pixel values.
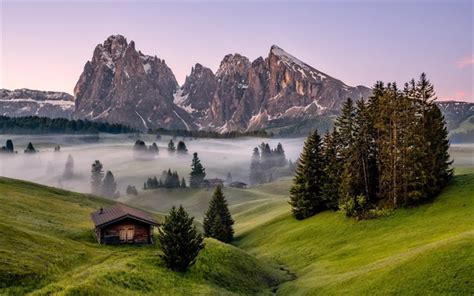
(130, 234)
(123, 234)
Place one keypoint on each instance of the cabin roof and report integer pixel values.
(238, 183)
(118, 212)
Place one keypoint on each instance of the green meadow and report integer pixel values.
(48, 248)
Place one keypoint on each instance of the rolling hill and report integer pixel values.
(47, 248)
(412, 251)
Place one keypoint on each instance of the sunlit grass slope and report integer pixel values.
(196, 201)
(414, 251)
(47, 248)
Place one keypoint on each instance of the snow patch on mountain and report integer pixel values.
(143, 120)
(180, 100)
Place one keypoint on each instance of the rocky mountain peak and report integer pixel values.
(198, 70)
(123, 85)
(233, 63)
(115, 45)
(197, 91)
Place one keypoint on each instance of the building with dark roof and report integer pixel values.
(238, 184)
(121, 224)
(208, 183)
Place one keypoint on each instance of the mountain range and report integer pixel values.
(120, 84)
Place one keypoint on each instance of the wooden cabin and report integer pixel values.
(238, 184)
(123, 225)
(209, 183)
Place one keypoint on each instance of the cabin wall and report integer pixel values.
(121, 231)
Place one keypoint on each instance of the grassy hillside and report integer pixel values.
(464, 133)
(47, 247)
(196, 201)
(423, 250)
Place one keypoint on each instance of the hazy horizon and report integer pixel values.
(45, 45)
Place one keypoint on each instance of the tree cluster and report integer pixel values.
(100, 184)
(180, 149)
(41, 125)
(8, 148)
(131, 190)
(387, 152)
(168, 180)
(218, 220)
(264, 162)
(140, 146)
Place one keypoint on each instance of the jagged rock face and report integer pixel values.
(296, 89)
(121, 85)
(251, 96)
(27, 102)
(197, 91)
(232, 82)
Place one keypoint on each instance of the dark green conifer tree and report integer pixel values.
(305, 194)
(30, 148)
(97, 173)
(218, 222)
(345, 126)
(69, 168)
(255, 168)
(171, 146)
(109, 186)
(182, 147)
(179, 240)
(153, 148)
(198, 172)
(332, 169)
(9, 146)
(437, 156)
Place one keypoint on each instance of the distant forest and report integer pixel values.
(210, 134)
(45, 125)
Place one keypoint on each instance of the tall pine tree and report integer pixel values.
(198, 172)
(306, 192)
(332, 169)
(69, 168)
(218, 220)
(179, 240)
(109, 186)
(97, 173)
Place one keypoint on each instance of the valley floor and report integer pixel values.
(47, 248)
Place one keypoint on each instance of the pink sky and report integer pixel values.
(45, 45)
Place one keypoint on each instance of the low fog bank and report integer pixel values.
(115, 152)
(219, 156)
